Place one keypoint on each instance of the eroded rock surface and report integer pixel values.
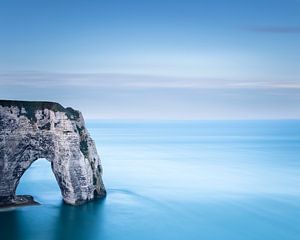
(33, 130)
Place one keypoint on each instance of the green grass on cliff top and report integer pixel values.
(32, 106)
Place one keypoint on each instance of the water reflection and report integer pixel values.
(53, 223)
(10, 225)
(80, 221)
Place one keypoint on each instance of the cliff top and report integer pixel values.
(32, 106)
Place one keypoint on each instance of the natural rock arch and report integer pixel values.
(39, 180)
(33, 130)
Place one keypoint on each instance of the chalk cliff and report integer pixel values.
(33, 130)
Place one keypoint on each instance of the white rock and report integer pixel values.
(33, 130)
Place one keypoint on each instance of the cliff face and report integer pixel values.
(33, 130)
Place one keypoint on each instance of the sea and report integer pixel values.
(168, 180)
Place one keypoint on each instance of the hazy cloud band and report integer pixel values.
(106, 80)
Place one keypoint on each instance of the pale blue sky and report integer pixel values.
(154, 59)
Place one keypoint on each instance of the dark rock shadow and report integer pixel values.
(80, 222)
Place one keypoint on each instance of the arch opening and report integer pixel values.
(39, 182)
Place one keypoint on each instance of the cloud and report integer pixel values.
(129, 96)
(42, 80)
(274, 29)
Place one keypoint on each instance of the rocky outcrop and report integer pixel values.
(33, 130)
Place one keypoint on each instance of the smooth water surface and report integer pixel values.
(175, 180)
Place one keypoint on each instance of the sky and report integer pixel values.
(156, 59)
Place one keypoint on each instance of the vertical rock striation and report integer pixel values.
(33, 130)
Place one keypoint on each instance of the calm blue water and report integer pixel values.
(175, 180)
